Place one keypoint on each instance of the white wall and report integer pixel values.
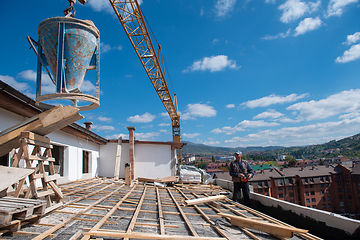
(151, 160)
(73, 148)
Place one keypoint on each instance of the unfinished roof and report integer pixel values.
(107, 209)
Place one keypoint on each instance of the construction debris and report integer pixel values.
(160, 180)
(103, 208)
(274, 229)
(204, 200)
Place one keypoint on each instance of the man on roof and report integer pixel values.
(241, 172)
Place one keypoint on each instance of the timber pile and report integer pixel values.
(15, 210)
(108, 209)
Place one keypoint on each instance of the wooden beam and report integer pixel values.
(135, 235)
(11, 175)
(160, 212)
(159, 180)
(204, 200)
(118, 159)
(274, 229)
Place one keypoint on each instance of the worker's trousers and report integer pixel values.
(244, 187)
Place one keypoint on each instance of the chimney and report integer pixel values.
(132, 151)
(262, 171)
(88, 125)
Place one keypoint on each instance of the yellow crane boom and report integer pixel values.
(132, 20)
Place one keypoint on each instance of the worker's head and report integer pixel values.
(238, 155)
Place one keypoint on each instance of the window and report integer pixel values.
(280, 188)
(322, 179)
(348, 190)
(327, 179)
(279, 182)
(311, 179)
(58, 153)
(326, 184)
(347, 176)
(350, 204)
(349, 197)
(292, 201)
(340, 196)
(281, 195)
(291, 194)
(314, 206)
(329, 205)
(327, 191)
(260, 184)
(341, 204)
(313, 200)
(312, 193)
(323, 206)
(321, 185)
(342, 210)
(328, 198)
(321, 192)
(290, 187)
(312, 186)
(323, 199)
(307, 200)
(260, 190)
(306, 186)
(86, 158)
(339, 190)
(347, 183)
(307, 193)
(339, 183)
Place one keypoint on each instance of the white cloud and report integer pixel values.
(305, 135)
(308, 24)
(164, 124)
(198, 110)
(102, 128)
(104, 119)
(271, 113)
(343, 102)
(191, 135)
(277, 36)
(146, 136)
(243, 125)
(104, 48)
(100, 5)
(294, 9)
(351, 39)
(270, 1)
(223, 7)
(145, 118)
(28, 75)
(116, 136)
(213, 64)
(350, 115)
(15, 84)
(350, 55)
(273, 99)
(230, 105)
(88, 87)
(336, 7)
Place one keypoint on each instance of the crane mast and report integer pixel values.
(132, 20)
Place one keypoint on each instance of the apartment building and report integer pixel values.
(333, 189)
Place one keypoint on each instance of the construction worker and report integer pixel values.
(241, 172)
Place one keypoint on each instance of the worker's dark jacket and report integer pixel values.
(240, 167)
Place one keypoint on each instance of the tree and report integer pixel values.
(290, 161)
(213, 158)
(203, 165)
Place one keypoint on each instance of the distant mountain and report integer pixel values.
(205, 150)
(348, 147)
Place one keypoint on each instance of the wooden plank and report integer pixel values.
(271, 228)
(35, 137)
(56, 189)
(49, 178)
(44, 193)
(135, 235)
(118, 159)
(41, 158)
(136, 213)
(14, 132)
(161, 217)
(66, 221)
(11, 175)
(204, 200)
(188, 224)
(159, 180)
(101, 222)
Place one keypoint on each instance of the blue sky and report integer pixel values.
(246, 73)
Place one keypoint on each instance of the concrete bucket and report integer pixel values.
(69, 47)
